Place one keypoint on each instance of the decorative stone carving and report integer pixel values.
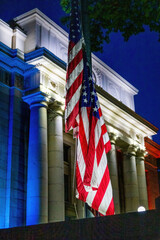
(55, 109)
(141, 154)
(98, 76)
(53, 84)
(132, 150)
(61, 89)
(48, 83)
(112, 137)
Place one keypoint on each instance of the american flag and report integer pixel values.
(92, 173)
(75, 70)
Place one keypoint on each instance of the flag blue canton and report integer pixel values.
(75, 31)
(89, 96)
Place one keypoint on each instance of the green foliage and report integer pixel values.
(65, 5)
(126, 16)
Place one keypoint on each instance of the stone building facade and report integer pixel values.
(37, 156)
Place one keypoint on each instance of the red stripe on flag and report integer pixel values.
(82, 137)
(110, 210)
(104, 129)
(71, 120)
(80, 186)
(74, 87)
(100, 149)
(100, 112)
(71, 46)
(107, 146)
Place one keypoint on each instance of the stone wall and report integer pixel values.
(4, 123)
(14, 119)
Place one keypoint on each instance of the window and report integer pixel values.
(66, 153)
(67, 173)
(121, 180)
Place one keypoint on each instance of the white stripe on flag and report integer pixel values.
(97, 133)
(80, 160)
(75, 50)
(75, 73)
(94, 182)
(105, 138)
(73, 102)
(90, 197)
(85, 122)
(101, 168)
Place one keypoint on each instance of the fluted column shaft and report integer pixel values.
(113, 170)
(142, 186)
(56, 211)
(130, 180)
(37, 173)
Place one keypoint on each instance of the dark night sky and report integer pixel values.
(137, 60)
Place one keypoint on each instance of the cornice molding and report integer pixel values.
(114, 75)
(36, 99)
(37, 14)
(46, 53)
(6, 27)
(126, 110)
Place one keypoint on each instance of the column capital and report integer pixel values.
(112, 137)
(56, 109)
(141, 154)
(131, 150)
(37, 99)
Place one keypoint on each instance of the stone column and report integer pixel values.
(37, 175)
(113, 170)
(56, 204)
(130, 180)
(143, 197)
(80, 209)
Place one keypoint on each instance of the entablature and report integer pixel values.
(129, 126)
(43, 32)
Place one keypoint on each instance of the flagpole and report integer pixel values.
(85, 29)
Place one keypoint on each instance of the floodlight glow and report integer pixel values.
(141, 209)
